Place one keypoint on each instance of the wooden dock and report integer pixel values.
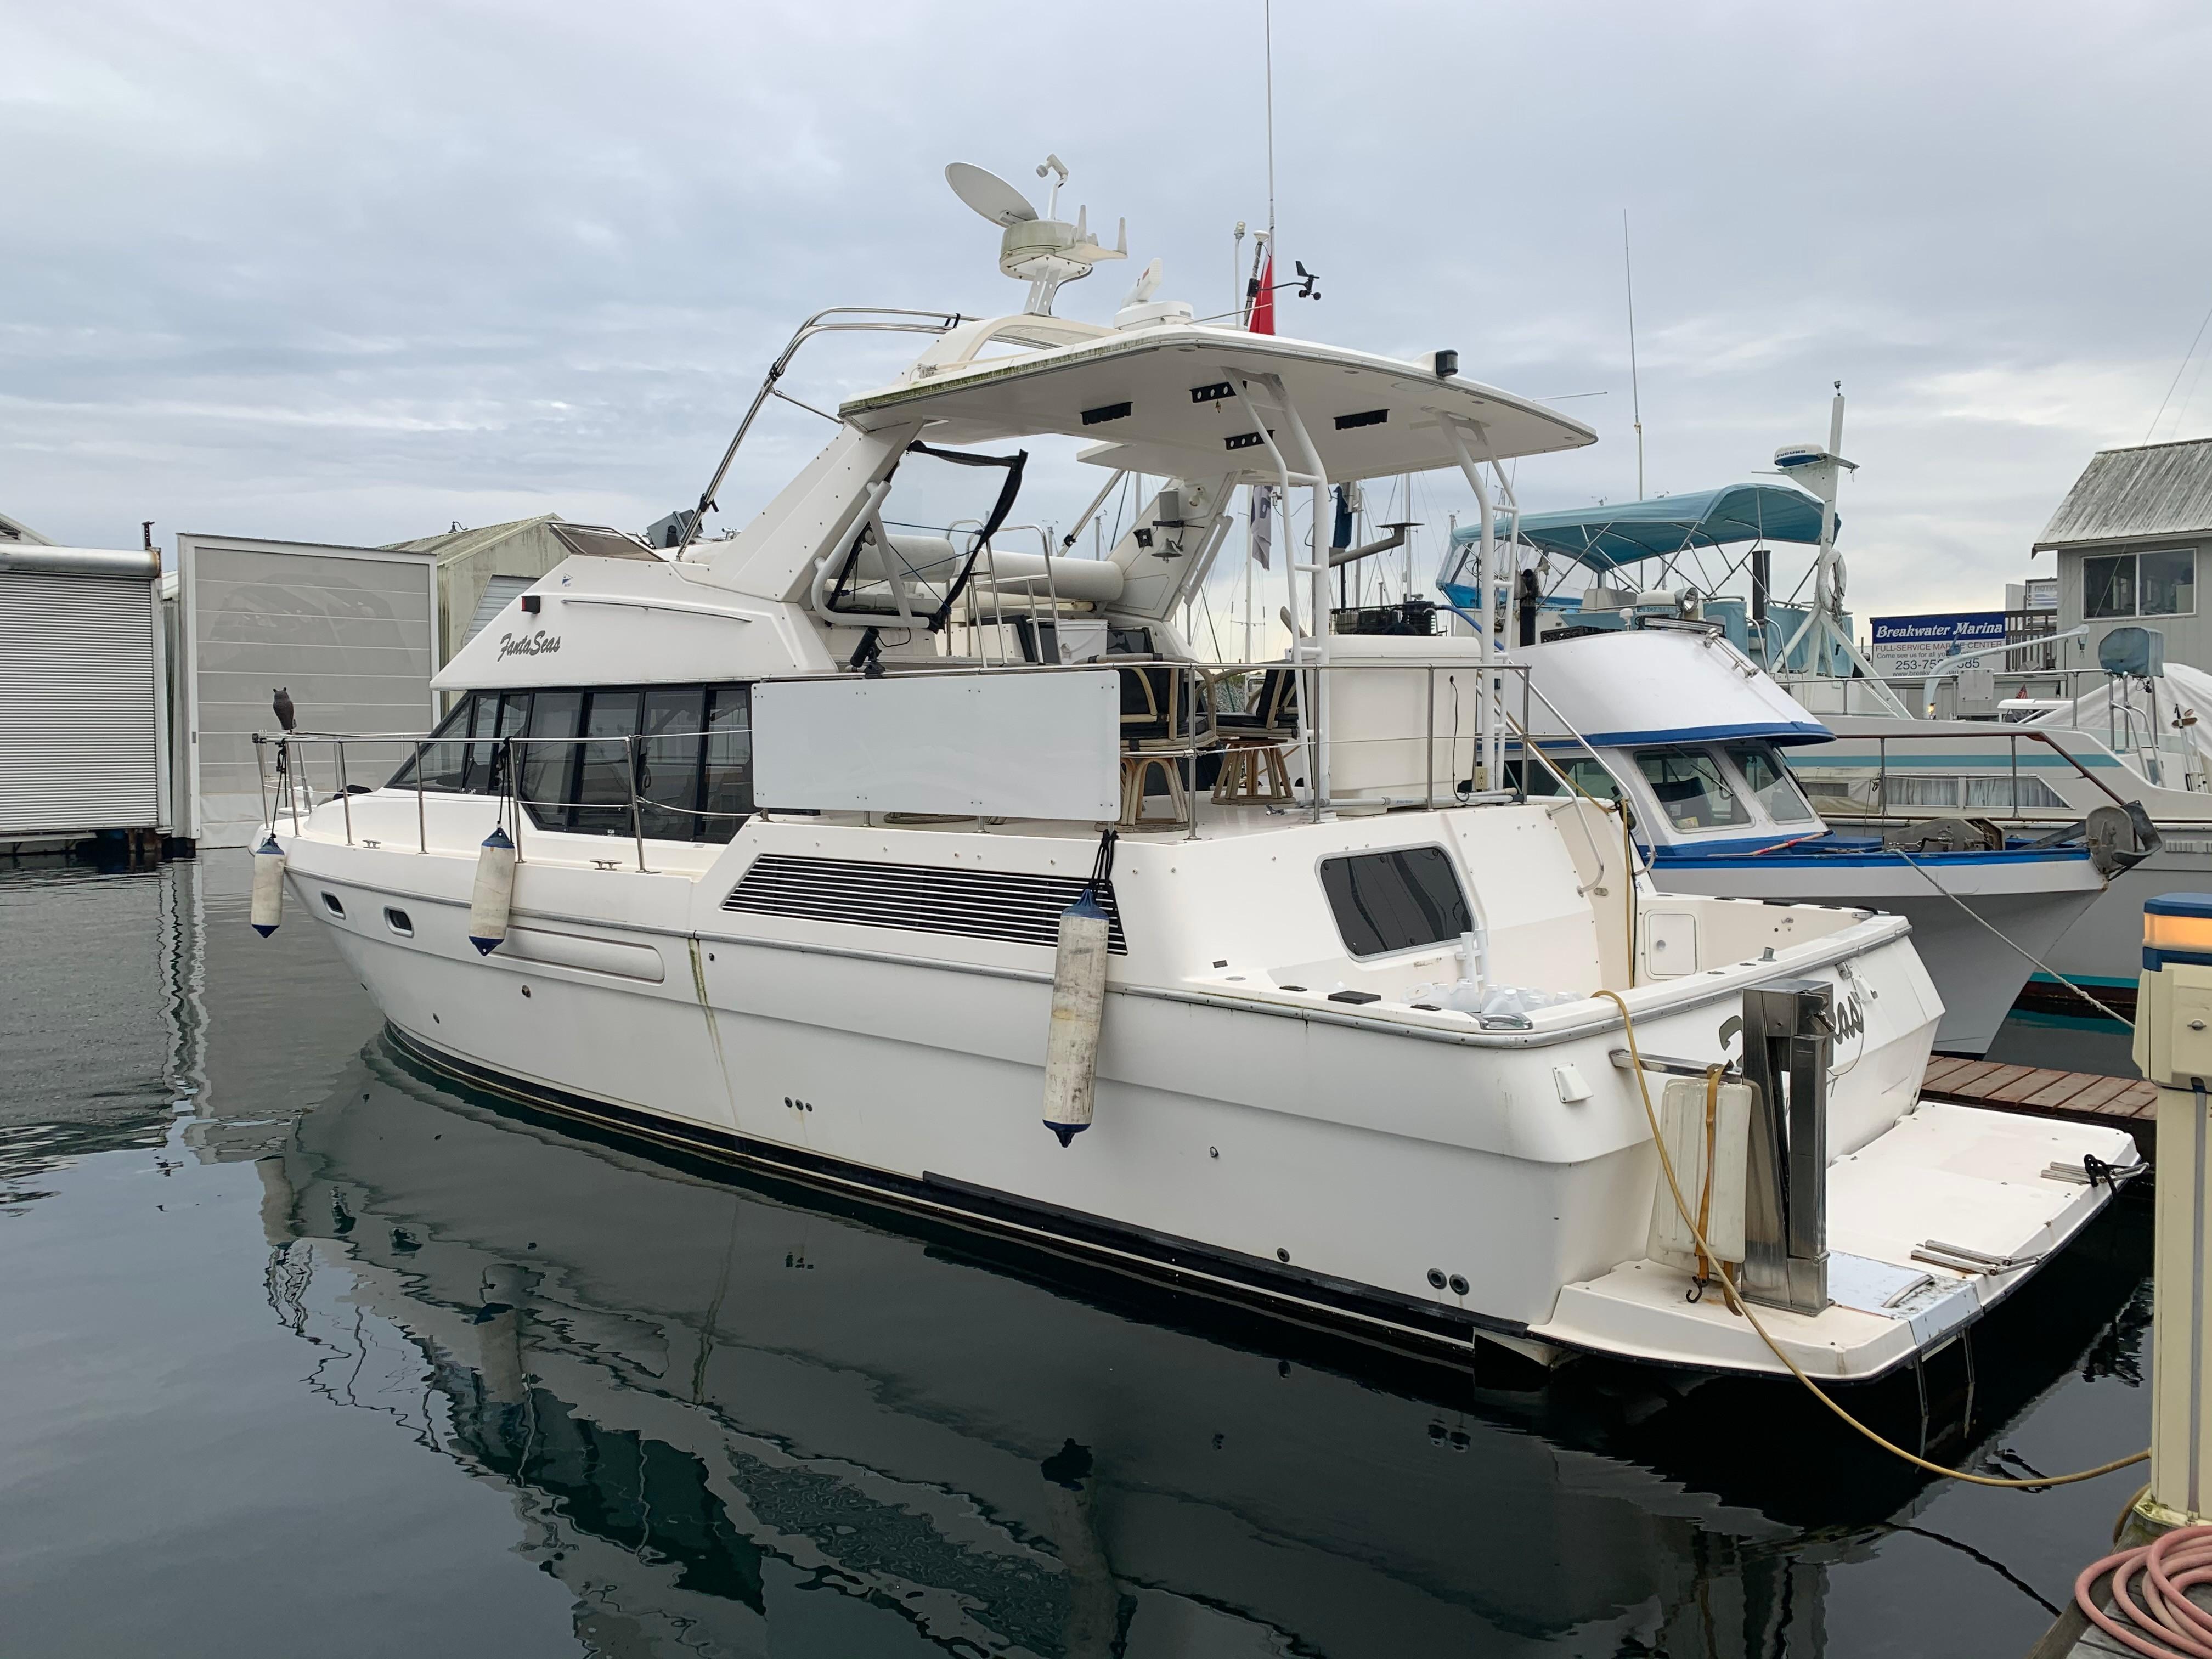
(2125, 1102)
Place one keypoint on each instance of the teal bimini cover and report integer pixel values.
(1607, 538)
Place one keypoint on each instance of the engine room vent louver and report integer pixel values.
(1021, 909)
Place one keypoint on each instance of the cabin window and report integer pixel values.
(548, 769)
(1996, 794)
(1770, 782)
(668, 753)
(1589, 776)
(727, 785)
(1989, 792)
(1386, 902)
(1692, 791)
(600, 802)
(1910, 789)
(688, 749)
(2160, 584)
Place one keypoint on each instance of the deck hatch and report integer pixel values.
(1019, 908)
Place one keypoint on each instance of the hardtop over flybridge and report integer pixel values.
(851, 853)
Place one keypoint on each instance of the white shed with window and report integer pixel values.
(2130, 537)
(83, 698)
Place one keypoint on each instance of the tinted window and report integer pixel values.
(729, 764)
(1770, 783)
(1691, 789)
(669, 751)
(690, 746)
(1387, 902)
(602, 781)
(1589, 776)
(444, 763)
(548, 769)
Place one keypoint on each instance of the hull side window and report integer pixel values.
(1386, 902)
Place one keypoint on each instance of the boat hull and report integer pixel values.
(1309, 1160)
(2033, 904)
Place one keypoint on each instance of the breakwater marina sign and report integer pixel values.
(1905, 646)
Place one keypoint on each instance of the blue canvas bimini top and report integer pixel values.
(1607, 538)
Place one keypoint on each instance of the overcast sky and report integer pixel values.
(351, 274)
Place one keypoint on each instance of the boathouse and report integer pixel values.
(2130, 538)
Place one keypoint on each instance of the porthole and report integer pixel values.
(332, 904)
(397, 921)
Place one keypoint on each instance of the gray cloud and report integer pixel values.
(350, 275)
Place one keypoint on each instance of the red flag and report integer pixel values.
(1263, 302)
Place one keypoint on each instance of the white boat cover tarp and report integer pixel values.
(2145, 717)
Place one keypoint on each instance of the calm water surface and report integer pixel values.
(304, 1354)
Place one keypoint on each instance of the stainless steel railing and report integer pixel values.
(1190, 737)
(2013, 737)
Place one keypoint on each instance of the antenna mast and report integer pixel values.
(1267, 27)
(1635, 392)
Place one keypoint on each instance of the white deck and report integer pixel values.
(1957, 1175)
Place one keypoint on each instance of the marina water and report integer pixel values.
(308, 1353)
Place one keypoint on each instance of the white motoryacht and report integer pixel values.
(782, 850)
(1669, 715)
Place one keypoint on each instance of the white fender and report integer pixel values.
(268, 886)
(494, 894)
(1078, 999)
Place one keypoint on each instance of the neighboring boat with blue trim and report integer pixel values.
(1686, 727)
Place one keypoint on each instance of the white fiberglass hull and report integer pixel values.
(2034, 903)
(2103, 951)
(1291, 1151)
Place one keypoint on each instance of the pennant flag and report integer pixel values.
(1262, 320)
(1263, 525)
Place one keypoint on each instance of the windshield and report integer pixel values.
(1692, 789)
(1771, 786)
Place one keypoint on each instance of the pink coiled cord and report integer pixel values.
(2165, 1624)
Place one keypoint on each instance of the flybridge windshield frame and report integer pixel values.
(882, 319)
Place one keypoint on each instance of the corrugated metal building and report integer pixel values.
(352, 634)
(480, 571)
(2130, 537)
(83, 689)
(349, 633)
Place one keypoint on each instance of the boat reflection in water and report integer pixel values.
(721, 1407)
